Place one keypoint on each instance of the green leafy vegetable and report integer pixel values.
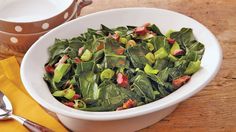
(143, 88)
(155, 29)
(118, 68)
(111, 58)
(85, 67)
(137, 56)
(168, 33)
(187, 41)
(160, 41)
(88, 86)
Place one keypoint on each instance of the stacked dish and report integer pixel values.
(23, 22)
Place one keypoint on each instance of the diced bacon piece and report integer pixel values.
(120, 51)
(177, 83)
(76, 96)
(70, 104)
(141, 30)
(171, 41)
(62, 60)
(122, 80)
(77, 60)
(80, 51)
(116, 36)
(100, 46)
(179, 52)
(49, 69)
(129, 104)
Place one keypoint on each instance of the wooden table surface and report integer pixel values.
(214, 108)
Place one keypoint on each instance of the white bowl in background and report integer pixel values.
(30, 16)
(32, 70)
(31, 10)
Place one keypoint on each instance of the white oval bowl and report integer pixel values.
(32, 69)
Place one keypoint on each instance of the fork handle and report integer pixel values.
(30, 125)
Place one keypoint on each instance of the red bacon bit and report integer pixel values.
(77, 60)
(141, 30)
(178, 52)
(116, 36)
(122, 80)
(49, 69)
(120, 51)
(80, 51)
(62, 60)
(171, 41)
(76, 96)
(129, 104)
(70, 104)
(100, 46)
(177, 83)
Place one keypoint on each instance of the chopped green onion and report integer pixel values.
(128, 37)
(79, 104)
(161, 53)
(60, 93)
(123, 40)
(150, 46)
(193, 67)
(150, 57)
(174, 47)
(107, 74)
(60, 71)
(69, 94)
(149, 70)
(87, 55)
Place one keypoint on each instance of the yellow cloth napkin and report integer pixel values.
(10, 68)
(23, 105)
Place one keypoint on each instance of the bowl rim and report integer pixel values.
(128, 113)
(38, 33)
(2, 20)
